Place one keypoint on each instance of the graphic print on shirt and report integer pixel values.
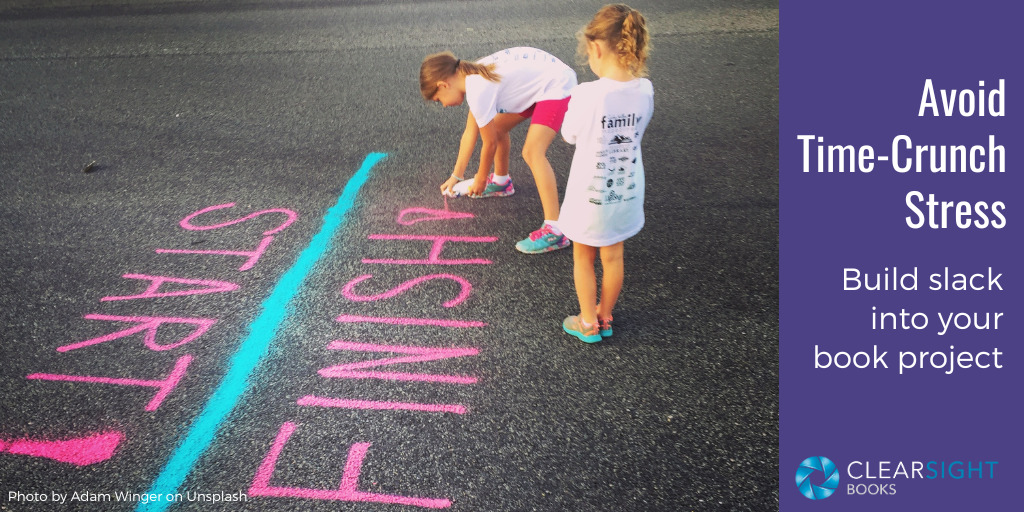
(612, 181)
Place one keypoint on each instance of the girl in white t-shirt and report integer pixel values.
(502, 90)
(604, 197)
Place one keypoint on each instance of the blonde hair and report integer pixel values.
(625, 31)
(438, 67)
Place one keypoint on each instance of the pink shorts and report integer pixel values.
(548, 113)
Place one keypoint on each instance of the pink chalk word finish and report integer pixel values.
(345, 403)
(466, 289)
(439, 322)
(360, 289)
(418, 354)
(435, 251)
(410, 216)
(348, 489)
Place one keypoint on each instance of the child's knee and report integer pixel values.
(533, 153)
(612, 255)
(527, 153)
(610, 260)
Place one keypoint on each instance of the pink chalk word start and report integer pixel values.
(99, 447)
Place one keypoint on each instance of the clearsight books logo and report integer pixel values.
(817, 478)
(820, 470)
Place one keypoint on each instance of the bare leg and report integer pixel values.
(585, 280)
(535, 150)
(504, 124)
(612, 273)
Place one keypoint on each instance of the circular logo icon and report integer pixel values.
(807, 475)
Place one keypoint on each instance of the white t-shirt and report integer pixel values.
(604, 197)
(528, 75)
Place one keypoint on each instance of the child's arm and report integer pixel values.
(488, 147)
(466, 147)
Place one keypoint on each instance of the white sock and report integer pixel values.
(553, 224)
(500, 180)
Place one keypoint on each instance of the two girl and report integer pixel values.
(606, 119)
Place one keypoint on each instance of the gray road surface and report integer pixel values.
(273, 107)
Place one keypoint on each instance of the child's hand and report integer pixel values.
(447, 187)
(477, 187)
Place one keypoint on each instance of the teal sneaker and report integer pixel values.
(542, 240)
(574, 325)
(491, 190)
(605, 327)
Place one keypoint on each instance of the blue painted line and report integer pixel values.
(262, 330)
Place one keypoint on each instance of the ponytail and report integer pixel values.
(625, 31)
(468, 67)
(633, 42)
(439, 67)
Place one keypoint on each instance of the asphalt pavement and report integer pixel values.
(218, 280)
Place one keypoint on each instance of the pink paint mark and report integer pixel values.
(410, 321)
(419, 354)
(149, 324)
(164, 387)
(157, 281)
(343, 403)
(463, 283)
(253, 255)
(435, 251)
(80, 451)
(348, 488)
(186, 223)
(408, 216)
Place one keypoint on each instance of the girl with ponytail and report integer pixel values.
(502, 90)
(604, 196)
